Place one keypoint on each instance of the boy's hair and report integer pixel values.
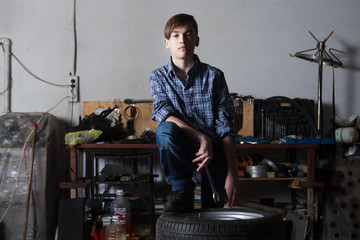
(178, 20)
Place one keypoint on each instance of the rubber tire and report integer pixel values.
(187, 226)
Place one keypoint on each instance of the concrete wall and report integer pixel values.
(119, 42)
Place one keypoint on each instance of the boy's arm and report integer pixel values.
(224, 107)
(161, 109)
(204, 155)
(232, 181)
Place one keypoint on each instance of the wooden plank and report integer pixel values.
(73, 184)
(261, 207)
(145, 109)
(247, 129)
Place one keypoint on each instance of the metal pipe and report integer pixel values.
(319, 103)
(30, 182)
(6, 42)
(133, 101)
(322, 58)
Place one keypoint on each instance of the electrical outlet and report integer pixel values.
(74, 89)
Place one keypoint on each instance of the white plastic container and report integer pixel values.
(346, 135)
(116, 230)
(120, 206)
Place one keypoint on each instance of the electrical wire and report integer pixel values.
(75, 40)
(7, 88)
(38, 78)
(73, 73)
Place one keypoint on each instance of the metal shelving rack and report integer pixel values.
(102, 189)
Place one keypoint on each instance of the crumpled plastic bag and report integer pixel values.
(347, 122)
(114, 171)
(86, 136)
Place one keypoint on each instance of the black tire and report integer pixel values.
(215, 224)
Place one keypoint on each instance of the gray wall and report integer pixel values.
(120, 42)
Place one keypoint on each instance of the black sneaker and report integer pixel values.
(180, 201)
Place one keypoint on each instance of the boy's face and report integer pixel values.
(182, 42)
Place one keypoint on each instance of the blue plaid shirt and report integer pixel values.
(203, 102)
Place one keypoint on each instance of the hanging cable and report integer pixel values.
(75, 41)
(32, 74)
(73, 73)
(7, 88)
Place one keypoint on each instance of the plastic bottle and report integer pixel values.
(120, 206)
(116, 230)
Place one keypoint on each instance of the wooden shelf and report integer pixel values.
(305, 179)
(277, 146)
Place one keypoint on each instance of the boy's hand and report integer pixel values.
(204, 156)
(231, 187)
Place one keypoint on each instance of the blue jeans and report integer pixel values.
(177, 151)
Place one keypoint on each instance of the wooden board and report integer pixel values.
(143, 122)
(248, 119)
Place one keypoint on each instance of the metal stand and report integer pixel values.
(322, 58)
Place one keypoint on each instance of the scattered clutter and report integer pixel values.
(256, 166)
(108, 122)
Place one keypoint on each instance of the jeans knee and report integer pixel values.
(167, 128)
(165, 133)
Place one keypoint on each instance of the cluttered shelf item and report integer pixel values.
(310, 148)
(97, 170)
(133, 175)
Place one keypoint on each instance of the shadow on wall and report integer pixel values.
(350, 65)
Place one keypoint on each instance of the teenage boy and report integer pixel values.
(194, 112)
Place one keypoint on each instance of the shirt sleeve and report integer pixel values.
(224, 124)
(162, 108)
